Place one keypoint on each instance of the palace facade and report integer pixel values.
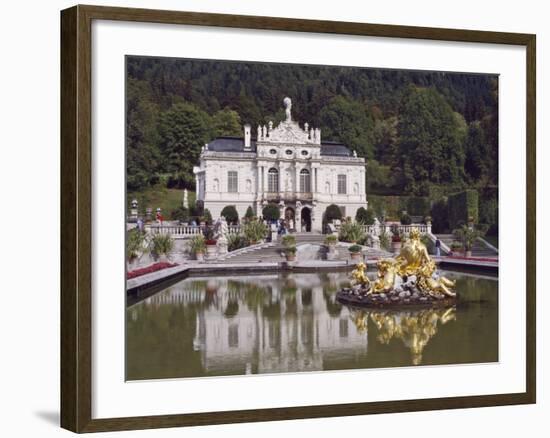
(287, 165)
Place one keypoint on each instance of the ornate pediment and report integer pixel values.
(288, 132)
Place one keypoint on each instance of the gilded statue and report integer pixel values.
(359, 276)
(413, 265)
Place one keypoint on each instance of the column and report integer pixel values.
(316, 187)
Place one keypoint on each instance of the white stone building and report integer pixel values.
(287, 165)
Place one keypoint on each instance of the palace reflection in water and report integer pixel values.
(289, 323)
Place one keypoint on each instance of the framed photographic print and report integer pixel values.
(273, 210)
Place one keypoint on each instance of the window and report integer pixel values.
(305, 181)
(273, 180)
(342, 185)
(232, 181)
(304, 152)
(273, 151)
(288, 152)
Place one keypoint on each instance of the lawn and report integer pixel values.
(155, 197)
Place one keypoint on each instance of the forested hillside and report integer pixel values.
(420, 131)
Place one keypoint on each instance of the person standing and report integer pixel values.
(437, 247)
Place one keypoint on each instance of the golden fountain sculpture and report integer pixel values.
(409, 278)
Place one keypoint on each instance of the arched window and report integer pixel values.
(273, 180)
(305, 181)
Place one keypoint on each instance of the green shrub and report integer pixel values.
(331, 239)
(467, 236)
(180, 214)
(332, 212)
(135, 241)
(249, 213)
(254, 231)
(271, 212)
(365, 216)
(290, 250)
(288, 240)
(207, 216)
(230, 214)
(385, 241)
(236, 241)
(161, 244)
(355, 248)
(351, 232)
(197, 244)
(405, 219)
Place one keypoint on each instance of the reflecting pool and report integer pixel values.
(291, 322)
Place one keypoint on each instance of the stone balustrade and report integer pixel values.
(184, 231)
(376, 230)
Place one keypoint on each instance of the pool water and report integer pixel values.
(234, 325)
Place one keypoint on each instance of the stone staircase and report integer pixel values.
(478, 250)
(274, 252)
(271, 252)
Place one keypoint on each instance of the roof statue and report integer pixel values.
(288, 106)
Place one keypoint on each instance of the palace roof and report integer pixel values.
(236, 144)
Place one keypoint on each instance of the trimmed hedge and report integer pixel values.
(365, 216)
(393, 206)
(461, 206)
(230, 214)
(271, 212)
(332, 212)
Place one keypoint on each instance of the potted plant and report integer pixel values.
(355, 252)
(351, 232)
(161, 245)
(290, 253)
(456, 247)
(467, 236)
(254, 231)
(197, 246)
(289, 242)
(134, 247)
(331, 241)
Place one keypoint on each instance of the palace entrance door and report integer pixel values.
(306, 219)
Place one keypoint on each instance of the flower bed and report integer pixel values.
(149, 269)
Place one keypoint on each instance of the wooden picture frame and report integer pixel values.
(76, 218)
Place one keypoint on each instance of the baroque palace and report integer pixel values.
(287, 165)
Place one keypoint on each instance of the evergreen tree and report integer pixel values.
(183, 130)
(349, 122)
(227, 122)
(430, 147)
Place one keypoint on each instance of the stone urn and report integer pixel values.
(163, 258)
(290, 254)
(355, 253)
(199, 256)
(211, 251)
